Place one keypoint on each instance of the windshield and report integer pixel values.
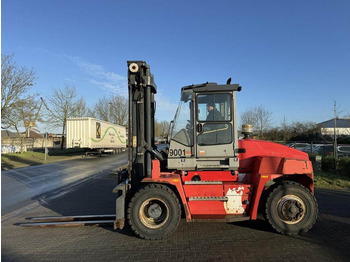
(183, 122)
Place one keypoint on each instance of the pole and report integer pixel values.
(45, 145)
(335, 146)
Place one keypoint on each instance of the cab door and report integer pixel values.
(214, 127)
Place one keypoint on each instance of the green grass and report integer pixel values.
(13, 160)
(331, 180)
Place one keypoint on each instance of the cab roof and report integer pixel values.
(211, 87)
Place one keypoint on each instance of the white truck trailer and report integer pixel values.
(95, 134)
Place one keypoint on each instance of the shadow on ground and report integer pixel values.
(328, 239)
(6, 165)
(90, 198)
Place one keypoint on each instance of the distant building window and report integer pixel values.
(98, 130)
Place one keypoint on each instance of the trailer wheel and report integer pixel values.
(291, 209)
(154, 212)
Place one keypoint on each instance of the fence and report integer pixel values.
(6, 149)
(13, 145)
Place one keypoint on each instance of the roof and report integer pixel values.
(8, 134)
(87, 118)
(33, 134)
(212, 87)
(342, 122)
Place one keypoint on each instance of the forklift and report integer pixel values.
(206, 173)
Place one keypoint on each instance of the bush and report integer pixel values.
(328, 163)
(343, 166)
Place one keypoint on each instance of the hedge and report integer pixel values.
(343, 165)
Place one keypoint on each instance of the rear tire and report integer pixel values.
(154, 212)
(291, 209)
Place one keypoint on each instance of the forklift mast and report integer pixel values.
(141, 121)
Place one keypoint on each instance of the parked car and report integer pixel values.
(325, 150)
(310, 148)
(344, 150)
(299, 146)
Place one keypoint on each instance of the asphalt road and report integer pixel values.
(24, 186)
(328, 240)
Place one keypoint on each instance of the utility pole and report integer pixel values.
(335, 152)
(46, 151)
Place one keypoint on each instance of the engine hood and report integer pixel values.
(255, 148)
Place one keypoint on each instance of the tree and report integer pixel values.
(81, 108)
(15, 82)
(119, 110)
(30, 112)
(62, 104)
(302, 131)
(164, 128)
(25, 114)
(259, 117)
(14, 120)
(249, 118)
(263, 119)
(285, 130)
(113, 109)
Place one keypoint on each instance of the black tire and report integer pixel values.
(154, 212)
(291, 208)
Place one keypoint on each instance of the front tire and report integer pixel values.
(291, 209)
(154, 212)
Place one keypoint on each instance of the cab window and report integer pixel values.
(214, 113)
(214, 107)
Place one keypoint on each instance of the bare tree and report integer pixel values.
(15, 82)
(249, 117)
(62, 104)
(14, 120)
(164, 128)
(25, 114)
(263, 119)
(82, 109)
(30, 112)
(119, 110)
(259, 117)
(161, 128)
(113, 109)
(102, 109)
(157, 128)
(285, 130)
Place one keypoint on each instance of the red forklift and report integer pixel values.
(206, 173)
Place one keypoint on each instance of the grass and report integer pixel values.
(331, 180)
(13, 160)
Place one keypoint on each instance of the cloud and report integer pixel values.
(117, 84)
(165, 108)
(108, 81)
(110, 87)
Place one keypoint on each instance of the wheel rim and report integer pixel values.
(154, 213)
(291, 209)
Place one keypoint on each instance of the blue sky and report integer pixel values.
(292, 57)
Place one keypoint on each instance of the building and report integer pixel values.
(342, 126)
(11, 141)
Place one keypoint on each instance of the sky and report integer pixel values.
(292, 57)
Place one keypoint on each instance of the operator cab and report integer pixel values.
(204, 132)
